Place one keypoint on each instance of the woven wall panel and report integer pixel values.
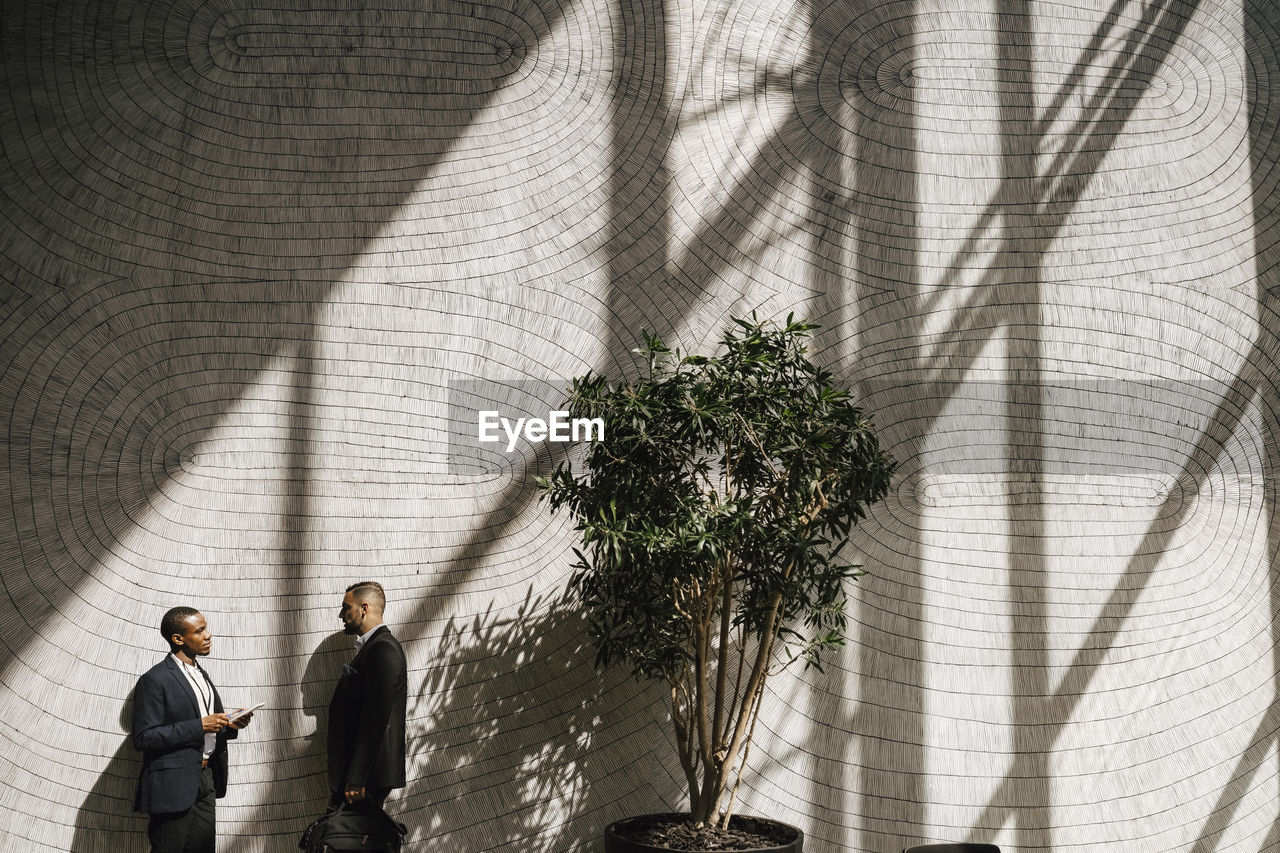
(264, 263)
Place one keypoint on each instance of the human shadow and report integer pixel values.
(481, 659)
(106, 821)
(517, 740)
(298, 780)
(182, 193)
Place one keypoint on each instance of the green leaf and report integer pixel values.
(749, 460)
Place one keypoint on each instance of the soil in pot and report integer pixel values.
(672, 832)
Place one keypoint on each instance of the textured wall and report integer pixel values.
(260, 258)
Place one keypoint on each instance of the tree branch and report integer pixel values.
(722, 664)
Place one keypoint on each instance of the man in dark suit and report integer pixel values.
(367, 712)
(181, 729)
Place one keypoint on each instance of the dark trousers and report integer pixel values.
(192, 831)
(377, 796)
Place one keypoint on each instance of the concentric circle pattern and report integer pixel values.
(267, 265)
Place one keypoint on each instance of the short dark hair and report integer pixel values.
(174, 621)
(370, 591)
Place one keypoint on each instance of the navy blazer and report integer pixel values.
(168, 733)
(367, 717)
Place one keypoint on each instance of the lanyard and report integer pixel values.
(206, 698)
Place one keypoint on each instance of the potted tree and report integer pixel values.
(712, 513)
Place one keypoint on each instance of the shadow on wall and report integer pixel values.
(1008, 300)
(130, 349)
(298, 775)
(1257, 377)
(169, 246)
(106, 822)
(517, 740)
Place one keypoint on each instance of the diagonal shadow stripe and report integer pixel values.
(37, 284)
(1058, 707)
(1260, 29)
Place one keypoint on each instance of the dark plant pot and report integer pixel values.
(617, 841)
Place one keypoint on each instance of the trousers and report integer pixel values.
(192, 831)
(377, 796)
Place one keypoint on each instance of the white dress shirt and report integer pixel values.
(361, 639)
(204, 698)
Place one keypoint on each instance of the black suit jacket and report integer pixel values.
(168, 733)
(366, 717)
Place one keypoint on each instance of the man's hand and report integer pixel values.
(241, 721)
(214, 722)
(355, 795)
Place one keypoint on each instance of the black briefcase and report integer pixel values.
(361, 826)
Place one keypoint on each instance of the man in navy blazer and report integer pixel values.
(181, 729)
(367, 712)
